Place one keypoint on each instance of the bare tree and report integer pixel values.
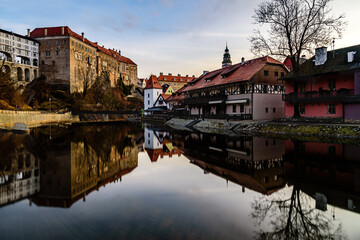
(292, 217)
(87, 77)
(296, 27)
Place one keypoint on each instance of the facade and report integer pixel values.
(73, 61)
(328, 85)
(21, 54)
(247, 90)
(151, 92)
(176, 82)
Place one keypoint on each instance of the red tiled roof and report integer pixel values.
(235, 73)
(165, 96)
(56, 31)
(152, 83)
(117, 55)
(170, 78)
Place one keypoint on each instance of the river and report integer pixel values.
(126, 181)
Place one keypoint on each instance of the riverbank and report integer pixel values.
(296, 130)
(37, 118)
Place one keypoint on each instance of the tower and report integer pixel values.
(227, 58)
(151, 92)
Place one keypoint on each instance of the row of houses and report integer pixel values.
(64, 57)
(328, 86)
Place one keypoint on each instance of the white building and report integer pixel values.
(21, 54)
(151, 92)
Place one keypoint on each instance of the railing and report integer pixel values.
(203, 100)
(341, 95)
(223, 116)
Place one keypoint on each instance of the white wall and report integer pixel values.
(269, 101)
(151, 141)
(150, 96)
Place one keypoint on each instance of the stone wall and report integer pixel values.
(32, 118)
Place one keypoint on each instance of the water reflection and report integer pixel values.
(287, 189)
(316, 173)
(57, 169)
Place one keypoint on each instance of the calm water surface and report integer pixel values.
(132, 182)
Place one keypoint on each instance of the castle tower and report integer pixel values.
(227, 58)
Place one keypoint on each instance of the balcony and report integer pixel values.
(341, 95)
(204, 100)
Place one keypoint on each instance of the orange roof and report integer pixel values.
(170, 78)
(235, 73)
(165, 96)
(56, 31)
(152, 83)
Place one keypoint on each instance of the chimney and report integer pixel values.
(350, 56)
(82, 36)
(28, 32)
(205, 72)
(320, 56)
(187, 75)
(170, 74)
(242, 60)
(193, 76)
(96, 43)
(119, 52)
(161, 73)
(179, 75)
(45, 32)
(62, 31)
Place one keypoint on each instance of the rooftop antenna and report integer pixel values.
(333, 46)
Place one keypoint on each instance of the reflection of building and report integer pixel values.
(255, 163)
(66, 179)
(325, 171)
(21, 177)
(21, 54)
(158, 145)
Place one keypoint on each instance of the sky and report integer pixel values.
(169, 36)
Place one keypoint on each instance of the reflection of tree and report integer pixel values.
(292, 217)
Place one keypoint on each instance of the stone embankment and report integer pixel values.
(275, 129)
(33, 118)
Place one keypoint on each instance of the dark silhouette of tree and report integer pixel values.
(296, 27)
(293, 218)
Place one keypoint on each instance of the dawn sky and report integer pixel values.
(170, 36)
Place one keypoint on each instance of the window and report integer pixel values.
(282, 74)
(332, 84)
(57, 53)
(149, 102)
(241, 107)
(42, 62)
(47, 43)
(276, 74)
(266, 110)
(266, 73)
(53, 62)
(56, 42)
(302, 109)
(331, 109)
(234, 108)
(47, 53)
(274, 110)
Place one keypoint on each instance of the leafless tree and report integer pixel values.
(296, 28)
(87, 77)
(292, 217)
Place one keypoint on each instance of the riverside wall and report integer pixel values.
(32, 118)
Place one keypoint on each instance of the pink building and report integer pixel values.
(328, 85)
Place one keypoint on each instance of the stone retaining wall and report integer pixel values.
(30, 118)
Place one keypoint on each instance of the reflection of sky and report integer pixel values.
(170, 199)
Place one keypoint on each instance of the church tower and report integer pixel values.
(227, 58)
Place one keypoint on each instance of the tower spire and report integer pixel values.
(227, 58)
